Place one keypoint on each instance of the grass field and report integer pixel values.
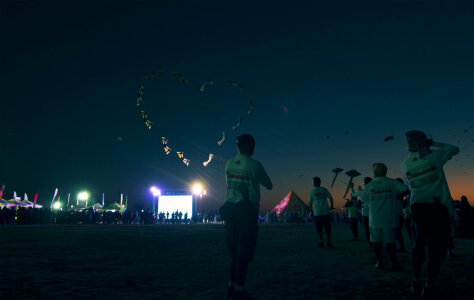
(191, 262)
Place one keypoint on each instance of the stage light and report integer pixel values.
(56, 205)
(155, 191)
(197, 189)
(83, 196)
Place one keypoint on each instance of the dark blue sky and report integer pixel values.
(71, 71)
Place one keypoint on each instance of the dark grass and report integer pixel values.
(191, 262)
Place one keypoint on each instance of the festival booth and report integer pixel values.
(292, 203)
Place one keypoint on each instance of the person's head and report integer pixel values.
(418, 142)
(367, 180)
(246, 144)
(464, 199)
(380, 169)
(316, 181)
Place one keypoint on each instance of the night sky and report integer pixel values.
(355, 73)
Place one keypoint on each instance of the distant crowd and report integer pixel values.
(464, 221)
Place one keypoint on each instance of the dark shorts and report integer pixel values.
(241, 225)
(322, 221)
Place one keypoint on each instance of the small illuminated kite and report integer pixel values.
(186, 161)
(148, 124)
(388, 138)
(167, 150)
(236, 126)
(222, 140)
(207, 82)
(250, 107)
(180, 76)
(152, 74)
(211, 156)
(141, 91)
(144, 115)
(180, 154)
(164, 140)
(234, 84)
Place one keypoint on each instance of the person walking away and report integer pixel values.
(430, 205)
(353, 213)
(244, 176)
(318, 202)
(384, 195)
(365, 208)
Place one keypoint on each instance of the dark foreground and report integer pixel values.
(190, 262)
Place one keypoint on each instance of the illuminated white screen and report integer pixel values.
(173, 203)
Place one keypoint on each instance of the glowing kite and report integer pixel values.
(236, 126)
(250, 107)
(180, 76)
(234, 84)
(180, 154)
(211, 156)
(222, 140)
(336, 171)
(144, 115)
(164, 140)
(186, 161)
(152, 74)
(148, 124)
(207, 82)
(388, 138)
(141, 91)
(167, 150)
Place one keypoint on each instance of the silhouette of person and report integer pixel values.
(384, 196)
(244, 176)
(365, 208)
(431, 206)
(318, 202)
(353, 214)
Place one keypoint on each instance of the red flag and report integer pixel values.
(1, 191)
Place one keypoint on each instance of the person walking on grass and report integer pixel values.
(352, 206)
(384, 196)
(318, 202)
(365, 208)
(244, 176)
(431, 207)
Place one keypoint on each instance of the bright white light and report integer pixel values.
(83, 196)
(173, 203)
(56, 205)
(155, 191)
(197, 189)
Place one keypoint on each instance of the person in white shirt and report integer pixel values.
(318, 201)
(244, 176)
(365, 208)
(431, 206)
(384, 196)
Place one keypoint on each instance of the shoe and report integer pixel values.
(230, 292)
(379, 265)
(320, 244)
(242, 295)
(430, 293)
(329, 245)
(416, 288)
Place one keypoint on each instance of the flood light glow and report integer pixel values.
(173, 203)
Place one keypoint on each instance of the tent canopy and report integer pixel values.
(291, 203)
(113, 206)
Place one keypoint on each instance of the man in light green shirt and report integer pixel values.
(244, 176)
(318, 201)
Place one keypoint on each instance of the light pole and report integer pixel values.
(198, 190)
(156, 193)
